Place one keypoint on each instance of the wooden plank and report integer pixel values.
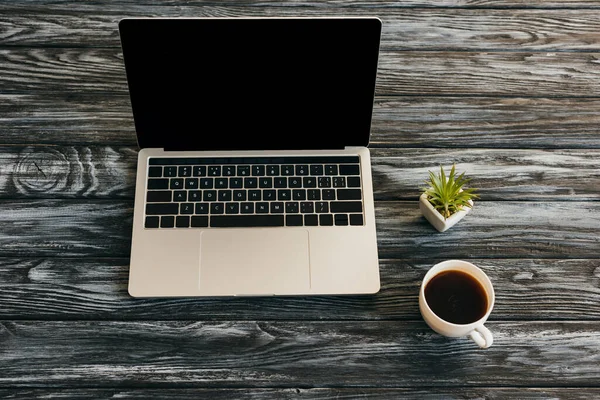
(410, 121)
(413, 29)
(493, 229)
(83, 288)
(345, 5)
(64, 227)
(485, 122)
(512, 229)
(233, 354)
(432, 73)
(52, 172)
(450, 393)
(67, 172)
(489, 73)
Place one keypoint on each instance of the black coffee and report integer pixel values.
(456, 297)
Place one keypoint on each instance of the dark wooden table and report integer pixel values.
(509, 90)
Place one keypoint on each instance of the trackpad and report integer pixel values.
(254, 262)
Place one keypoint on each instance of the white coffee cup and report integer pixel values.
(476, 330)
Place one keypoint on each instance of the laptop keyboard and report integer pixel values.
(249, 192)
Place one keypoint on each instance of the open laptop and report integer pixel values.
(254, 176)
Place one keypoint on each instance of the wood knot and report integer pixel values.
(41, 171)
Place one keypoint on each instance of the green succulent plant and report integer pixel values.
(446, 193)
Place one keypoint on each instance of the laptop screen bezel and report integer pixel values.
(134, 32)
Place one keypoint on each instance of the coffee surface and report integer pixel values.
(456, 297)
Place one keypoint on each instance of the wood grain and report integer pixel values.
(81, 288)
(450, 393)
(100, 228)
(439, 73)
(152, 354)
(409, 121)
(67, 172)
(53, 172)
(493, 229)
(412, 29)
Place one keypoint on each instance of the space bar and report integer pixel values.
(233, 221)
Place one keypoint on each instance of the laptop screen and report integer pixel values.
(251, 83)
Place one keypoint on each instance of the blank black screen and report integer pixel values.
(251, 83)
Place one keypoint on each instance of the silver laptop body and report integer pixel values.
(218, 104)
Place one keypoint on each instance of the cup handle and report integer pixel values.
(482, 336)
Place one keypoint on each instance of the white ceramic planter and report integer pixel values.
(436, 219)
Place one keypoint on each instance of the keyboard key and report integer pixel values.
(258, 170)
(284, 194)
(349, 169)
(239, 195)
(158, 196)
(155, 172)
(328, 194)
(199, 170)
(262, 207)
(180, 195)
(162, 209)
(176, 183)
(331, 170)
(152, 222)
(301, 169)
(191, 183)
(307, 207)
(221, 183)
(224, 195)
(291, 207)
(209, 195)
(349, 194)
(265, 183)
(269, 195)
(324, 182)
(182, 222)
(207, 183)
(356, 219)
(201, 208)
(346, 206)
(195, 195)
(311, 220)
(250, 183)
(341, 219)
(232, 208)
(170, 172)
(185, 171)
(309, 182)
(353, 181)
(322, 207)
(186, 208)
(236, 183)
(299, 194)
(293, 220)
(339, 182)
(154, 184)
(230, 221)
(243, 170)
(326, 220)
(167, 222)
(313, 194)
(247, 208)
(276, 207)
(316, 169)
(214, 170)
(272, 170)
(280, 182)
(199, 222)
(254, 195)
(229, 170)
(287, 170)
(295, 182)
(217, 208)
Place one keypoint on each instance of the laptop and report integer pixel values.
(254, 173)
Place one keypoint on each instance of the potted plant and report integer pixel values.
(445, 201)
